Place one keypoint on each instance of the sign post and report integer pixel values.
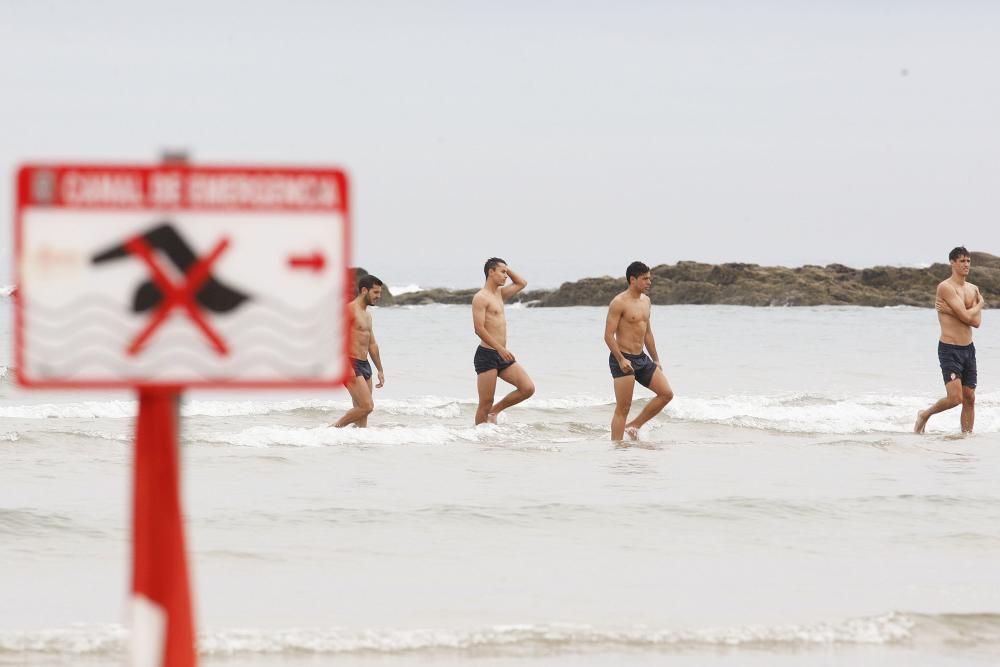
(160, 278)
(161, 616)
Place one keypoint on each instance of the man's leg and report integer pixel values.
(664, 394)
(363, 422)
(361, 397)
(968, 409)
(523, 388)
(486, 383)
(623, 402)
(953, 398)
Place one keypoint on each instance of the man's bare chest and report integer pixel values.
(494, 309)
(635, 316)
(967, 293)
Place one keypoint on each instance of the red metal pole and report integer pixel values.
(162, 621)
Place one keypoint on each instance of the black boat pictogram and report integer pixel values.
(212, 295)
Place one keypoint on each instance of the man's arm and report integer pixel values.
(517, 283)
(950, 302)
(610, 327)
(373, 352)
(978, 319)
(650, 343)
(479, 303)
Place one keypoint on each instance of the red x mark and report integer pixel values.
(175, 296)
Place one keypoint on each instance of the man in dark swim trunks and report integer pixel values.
(363, 344)
(627, 331)
(960, 308)
(493, 359)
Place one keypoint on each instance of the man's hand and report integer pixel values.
(505, 354)
(942, 306)
(626, 366)
(381, 380)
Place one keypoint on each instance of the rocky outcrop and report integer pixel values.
(437, 295)
(755, 285)
(463, 296)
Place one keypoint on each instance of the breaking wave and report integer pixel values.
(894, 628)
(577, 414)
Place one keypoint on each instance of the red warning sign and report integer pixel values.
(181, 276)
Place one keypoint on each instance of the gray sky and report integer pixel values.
(567, 137)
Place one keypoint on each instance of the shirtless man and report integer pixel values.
(363, 344)
(626, 332)
(493, 359)
(960, 307)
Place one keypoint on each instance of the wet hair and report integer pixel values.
(367, 282)
(955, 253)
(492, 263)
(634, 270)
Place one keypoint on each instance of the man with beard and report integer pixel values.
(362, 345)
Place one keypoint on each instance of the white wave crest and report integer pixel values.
(77, 639)
(429, 406)
(797, 413)
(405, 289)
(791, 413)
(554, 637)
(81, 410)
(323, 436)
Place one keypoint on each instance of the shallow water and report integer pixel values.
(778, 512)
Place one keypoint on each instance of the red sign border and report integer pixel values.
(22, 186)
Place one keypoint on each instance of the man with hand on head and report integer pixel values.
(493, 359)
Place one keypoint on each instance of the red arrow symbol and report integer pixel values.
(316, 262)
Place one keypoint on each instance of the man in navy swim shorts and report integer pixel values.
(628, 333)
(492, 358)
(960, 309)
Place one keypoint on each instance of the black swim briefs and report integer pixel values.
(958, 362)
(488, 359)
(362, 368)
(642, 366)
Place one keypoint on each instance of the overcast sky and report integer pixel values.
(567, 137)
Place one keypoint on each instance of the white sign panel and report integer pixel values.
(181, 276)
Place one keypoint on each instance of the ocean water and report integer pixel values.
(778, 512)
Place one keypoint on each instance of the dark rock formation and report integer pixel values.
(755, 285)
(462, 296)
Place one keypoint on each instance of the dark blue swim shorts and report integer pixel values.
(362, 368)
(642, 366)
(488, 359)
(958, 362)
